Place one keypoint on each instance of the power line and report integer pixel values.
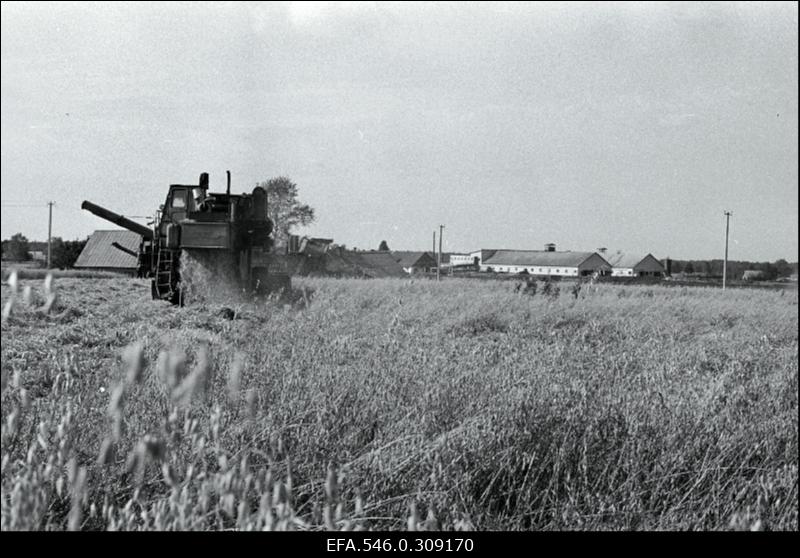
(24, 205)
(63, 207)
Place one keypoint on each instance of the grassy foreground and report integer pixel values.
(395, 404)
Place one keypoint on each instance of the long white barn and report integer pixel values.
(543, 262)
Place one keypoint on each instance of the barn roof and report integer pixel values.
(367, 264)
(376, 264)
(410, 259)
(99, 252)
(626, 260)
(537, 257)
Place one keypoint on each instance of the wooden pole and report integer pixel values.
(49, 232)
(439, 260)
(725, 261)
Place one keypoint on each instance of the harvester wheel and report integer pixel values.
(173, 296)
(176, 297)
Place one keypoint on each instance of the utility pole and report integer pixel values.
(439, 260)
(49, 232)
(725, 262)
(434, 245)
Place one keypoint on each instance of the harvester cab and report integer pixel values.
(231, 229)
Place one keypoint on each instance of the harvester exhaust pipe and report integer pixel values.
(118, 219)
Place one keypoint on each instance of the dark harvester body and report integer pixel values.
(234, 227)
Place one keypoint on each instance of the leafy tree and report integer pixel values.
(17, 248)
(784, 268)
(703, 267)
(769, 270)
(64, 253)
(384, 247)
(284, 208)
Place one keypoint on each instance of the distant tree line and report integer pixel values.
(713, 268)
(16, 248)
(63, 253)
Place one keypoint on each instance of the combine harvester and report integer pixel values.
(230, 229)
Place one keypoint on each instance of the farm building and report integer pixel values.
(376, 263)
(635, 265)
(352, 263)
(100, 254)
(450, 260)
(461, 260)
(414, 262)
(754, 275)
(475, 257)
(544, 262)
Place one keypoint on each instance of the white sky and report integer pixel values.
(629, 126)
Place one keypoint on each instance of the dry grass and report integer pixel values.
(400, 404)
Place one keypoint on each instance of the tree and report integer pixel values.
(284, 209)
(769, 270)
(17, 248)
(384, 247)
(783, 267)
(64, 253)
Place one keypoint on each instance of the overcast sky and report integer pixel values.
(628, 126)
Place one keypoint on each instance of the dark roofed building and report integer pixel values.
(413, 262)
(635, 265)
(353, 263)
(376, 264)
(100, 254)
